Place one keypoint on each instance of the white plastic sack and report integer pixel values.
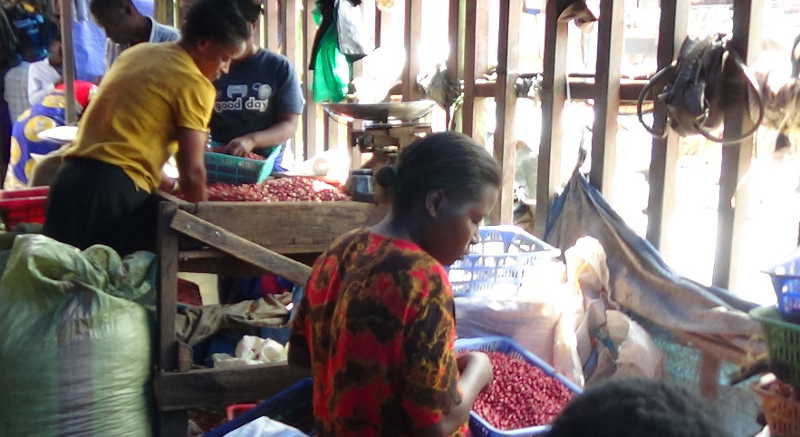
(528, 316)
(252, 350)
(637, 355)
(265, 427)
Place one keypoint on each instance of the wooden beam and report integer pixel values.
(294, 227)
(217, 262)
(291, 37)
(412, 31)
(172, 423)
(68, 61)
(216, 388)
(311, 140)
(168, 287)
(273, 25)
(554, 95)
(580, 88)
(606, 103)
(665, 151)
(454, 43)
(736, 158)
(505, 150)
(476, 59)
(240, 248)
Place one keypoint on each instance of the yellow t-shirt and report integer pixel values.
(132, 122)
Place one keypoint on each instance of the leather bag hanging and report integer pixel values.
(693, 88)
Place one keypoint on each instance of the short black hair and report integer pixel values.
(221, 21)
(447, 161)
(635, 408)
(104, 5)
(251, 10)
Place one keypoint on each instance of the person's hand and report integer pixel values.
(239, 146)
(478, 364)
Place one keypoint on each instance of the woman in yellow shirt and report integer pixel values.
(155, 102)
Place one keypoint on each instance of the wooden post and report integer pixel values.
(163, 11)
(664, 156)
(476, 58)
(412, 31)
(291, 17)
(68, 61)
(736, 158)
(454, 40)
(606, 102)
(273, 24)
(554, 95)
(505, 150)
(311, 144)
(172, 423)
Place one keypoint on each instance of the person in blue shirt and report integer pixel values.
(258, 102)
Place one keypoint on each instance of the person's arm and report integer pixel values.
(38, 85)
(476, 373)
(191, 165)
(436, 398)
(271, 136)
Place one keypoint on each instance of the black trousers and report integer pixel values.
(93, 202)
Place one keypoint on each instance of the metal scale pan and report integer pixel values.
(382, 112)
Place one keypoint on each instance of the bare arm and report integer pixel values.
(271, 136)
(191, 166)
(476, 373)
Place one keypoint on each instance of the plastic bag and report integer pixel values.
(528, 316)
(331, 69)
(265, 427)
(353, 41)
(76, 347)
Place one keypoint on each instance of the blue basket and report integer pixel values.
(786, 282)
(292, 406)
(236, 170)
(482, 428)
(503, 256)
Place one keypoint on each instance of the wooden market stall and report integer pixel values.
(234, 238)
(283, 238)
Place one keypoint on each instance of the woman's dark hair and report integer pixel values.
(446, 161)
(635, 408)
(221, 21)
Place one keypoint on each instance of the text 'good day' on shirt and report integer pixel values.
(150, 92)
(254, 93)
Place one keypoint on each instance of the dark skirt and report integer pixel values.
(93, 202)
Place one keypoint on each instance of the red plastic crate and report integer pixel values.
(25, 192)
(237, 409)
(22, 210)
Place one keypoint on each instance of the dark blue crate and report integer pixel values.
(482, 428)
(292, 406)
(786, 282)
(504, 256)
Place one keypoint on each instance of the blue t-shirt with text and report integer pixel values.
(253, 94)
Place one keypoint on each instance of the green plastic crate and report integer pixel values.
(783, 344)
(235, 170)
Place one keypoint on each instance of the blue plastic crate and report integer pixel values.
(236, 170)
(503, 256)
(482, 428)
(786, 282)
(292, 406)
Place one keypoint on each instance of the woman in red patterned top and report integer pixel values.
(377, 325)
